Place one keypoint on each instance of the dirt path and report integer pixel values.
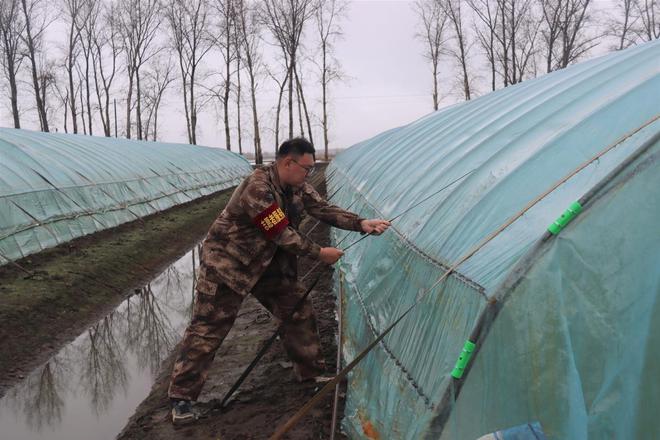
(78, 282)
(268, 397)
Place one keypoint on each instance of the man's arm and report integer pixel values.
(258, 202)
(333, 215)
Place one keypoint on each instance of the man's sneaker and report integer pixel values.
(182, 413)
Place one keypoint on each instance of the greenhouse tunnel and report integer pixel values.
(57, 187)
(576, 346)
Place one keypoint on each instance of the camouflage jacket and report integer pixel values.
(261, 217)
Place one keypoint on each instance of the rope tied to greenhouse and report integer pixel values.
(279, 433)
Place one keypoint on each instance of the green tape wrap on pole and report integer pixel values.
(565, 218)
(463, 359)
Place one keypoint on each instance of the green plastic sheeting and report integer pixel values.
(56, 187)
(576, 346)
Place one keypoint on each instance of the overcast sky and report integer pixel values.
(388, 81)
(387, 84)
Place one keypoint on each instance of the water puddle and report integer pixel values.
(91, 387)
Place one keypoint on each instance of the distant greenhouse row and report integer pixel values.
(56, 187)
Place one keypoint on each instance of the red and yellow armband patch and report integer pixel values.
(271, 221)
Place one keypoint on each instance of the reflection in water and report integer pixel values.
(151, 335)
(103, 371)
(39, 396)
(107, 371)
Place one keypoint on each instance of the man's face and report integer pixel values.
(298, 168)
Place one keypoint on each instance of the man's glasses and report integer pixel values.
(308, 170)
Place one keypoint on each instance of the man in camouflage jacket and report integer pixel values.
(252, 247)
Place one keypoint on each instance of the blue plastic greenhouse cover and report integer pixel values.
(577, 344)
(56, 187)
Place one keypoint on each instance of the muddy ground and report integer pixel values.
(71, 286)
(270, 395)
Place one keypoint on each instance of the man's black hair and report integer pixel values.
(297, 147)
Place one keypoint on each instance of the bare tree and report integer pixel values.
(47, 84)
(72, 9)
(299, 105)
(452, 9)
(248, 33)
(523, 28)
(63, 97)
(649, 13)
(286, 20)
(12, 29)
(138, 25)
(189, 22)
(225, 42)
(106, 49)
(487, 14)
(281, 87)
(433, 20)
(564, 31)
(327, 16)
(622, 24)
(35, 24)
(86, 24)
(300, 94)
(158, 79)
(574, 42)
(82, 99)
(238, 99)
(516, 35)
(239, 59)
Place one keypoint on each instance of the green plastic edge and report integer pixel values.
(463, 359)
(571, 212)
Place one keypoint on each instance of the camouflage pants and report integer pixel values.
(214, 315)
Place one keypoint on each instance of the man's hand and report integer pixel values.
(330, 255)
(374, 226)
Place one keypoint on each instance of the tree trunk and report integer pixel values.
(514, 78)
(238, 104)
(304, 103)
(225, 102)
(155, 134)
(107, 113)
(185, 108)
(300, 121)
(138, 109)
(104, 122)
(279, 110)
(492, 61)
(505, 49)
(89, 104)
(129, 97)
(82, 108)
(66, 110)
(290, 76)
(324, 99)
(41, 110)
(258, 158)
(435, 86)
(14, 96)
(72, 102)
(193, 112)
